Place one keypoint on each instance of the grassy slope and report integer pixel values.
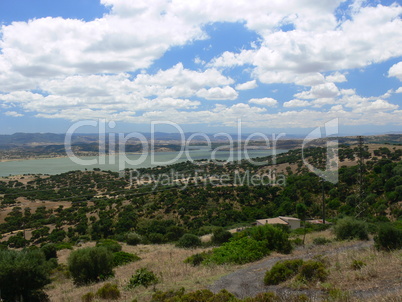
(382, 273)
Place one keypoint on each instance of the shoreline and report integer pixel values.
(95, 155)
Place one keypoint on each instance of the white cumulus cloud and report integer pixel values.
(269, 102)
(396, 71)
(296, 103)
(247, 85)
(13, 113)
(218, 93)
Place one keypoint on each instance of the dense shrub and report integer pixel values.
(108, 291)
(121, 258)
(282, 271)
(269, 297)
(133, 238)
(275, 239)
(17, 241)
(23, 274)
(49, 250)
(252, 244)
(239, 251)
(156, 238)
(171, 295)
(110, 244)
(189, 241)
(197, 259)
(388, 238)
(349, 228)
(312, 270)
(88, 297)
(90, 264)
(220, 236)
(143, 277)
(3, 246)
(202, 295)
(63, 246)
(174, 232)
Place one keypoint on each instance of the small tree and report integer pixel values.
(49, 250)
(90, 265)
(143, 277)
(189, 241)
(388, 238)
(133, 238)
(23, 274)
(349, 228)
(220, 236)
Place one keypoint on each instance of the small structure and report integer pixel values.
(293, 223)
(317, 221)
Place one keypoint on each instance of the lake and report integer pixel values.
(118, 162)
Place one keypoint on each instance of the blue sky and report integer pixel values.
(204, 65)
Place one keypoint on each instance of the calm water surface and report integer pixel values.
(115, 162)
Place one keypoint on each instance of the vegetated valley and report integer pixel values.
(97, 236)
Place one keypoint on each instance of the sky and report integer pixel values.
(273, 66)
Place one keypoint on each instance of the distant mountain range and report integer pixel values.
(34, 139)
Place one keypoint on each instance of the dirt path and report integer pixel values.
(248, 281)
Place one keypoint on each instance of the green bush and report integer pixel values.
(143, 277)
(275, 239)
(202, 295)
(133, 238)
(197, 259)
(252, 244)
(282, 271)
(3, 246)
(220, 236)
(349, 228)
(171, 295)
(17, 241)
(266, 297)
(108, 291)
(388, 238)
(88, 297)
(313, 270)
(90, 264)
(64, 246)
(121, 258)
(110, 244)
(23, 274)
(49, 250)
(156, 238)
(321, 241)
(239, 251)
(189, 241)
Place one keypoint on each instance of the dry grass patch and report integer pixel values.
(166, 261)
(381, 270)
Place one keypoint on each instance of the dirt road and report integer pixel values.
(248, 281)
